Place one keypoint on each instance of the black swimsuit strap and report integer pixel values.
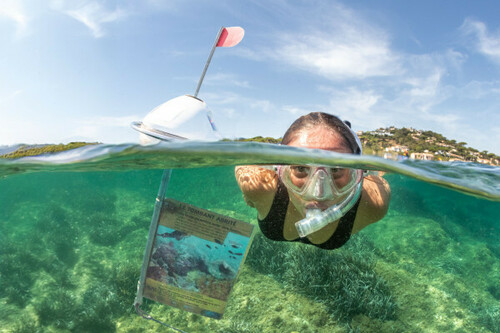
(273, 224)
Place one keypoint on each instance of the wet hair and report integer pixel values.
(315, 119)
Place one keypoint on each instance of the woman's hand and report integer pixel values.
(255, 182)
(252, 178)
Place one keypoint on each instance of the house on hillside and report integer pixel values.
(382, 132)
(483, 161)
(397, 149)
(441, 144)
(422, 156)
(455, 157)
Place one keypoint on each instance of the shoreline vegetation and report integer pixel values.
(35, 150)
(391, 143)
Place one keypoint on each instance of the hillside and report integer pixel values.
(392, 142)
(399, 140)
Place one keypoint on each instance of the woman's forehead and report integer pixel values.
(321, 138)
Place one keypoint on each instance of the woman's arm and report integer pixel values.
(258, 186)
(374, 203)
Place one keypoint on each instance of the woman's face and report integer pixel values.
(318, 138)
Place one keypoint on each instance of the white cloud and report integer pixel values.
(227, 99)
(338, 44)
(481, 89)
(14, 10)
(256, 55)
(372, 83)
(222, 99)
(296, 111)
(424, 85)
(226, 80)
(242, 116)
(455, 59)
(354, 100)
(424, 92)
(262, 106)
(484, 42)
(162, 4)
(10, 97)
(15, 128)
(360, 106)
(106, 129)
(417, 96)
(109, 121)
(335, 57)
(447, 120)
(92, 14)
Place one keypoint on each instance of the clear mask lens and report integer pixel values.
(319, 183)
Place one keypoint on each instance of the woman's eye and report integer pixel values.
(300, 171)
(337, 172)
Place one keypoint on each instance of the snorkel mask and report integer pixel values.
(318, 184)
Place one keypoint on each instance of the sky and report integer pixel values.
(85, 69)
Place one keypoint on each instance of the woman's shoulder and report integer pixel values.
(377, 189)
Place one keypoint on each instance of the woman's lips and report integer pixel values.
(316, 205)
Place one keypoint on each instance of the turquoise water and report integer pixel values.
(73, 230)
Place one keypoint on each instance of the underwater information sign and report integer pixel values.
(196, 258)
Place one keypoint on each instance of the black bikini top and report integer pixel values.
(273, 224)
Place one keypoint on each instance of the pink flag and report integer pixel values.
(230, 36)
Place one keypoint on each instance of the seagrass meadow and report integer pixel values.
(71, 247)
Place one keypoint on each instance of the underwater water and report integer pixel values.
(73, 230)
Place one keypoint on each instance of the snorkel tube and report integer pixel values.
(317, 219)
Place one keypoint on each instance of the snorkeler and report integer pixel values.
(314, 204)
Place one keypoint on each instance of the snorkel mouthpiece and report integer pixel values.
(314, 222)
(317, 219)
(313, 212)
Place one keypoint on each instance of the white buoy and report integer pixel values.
(181, 118)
